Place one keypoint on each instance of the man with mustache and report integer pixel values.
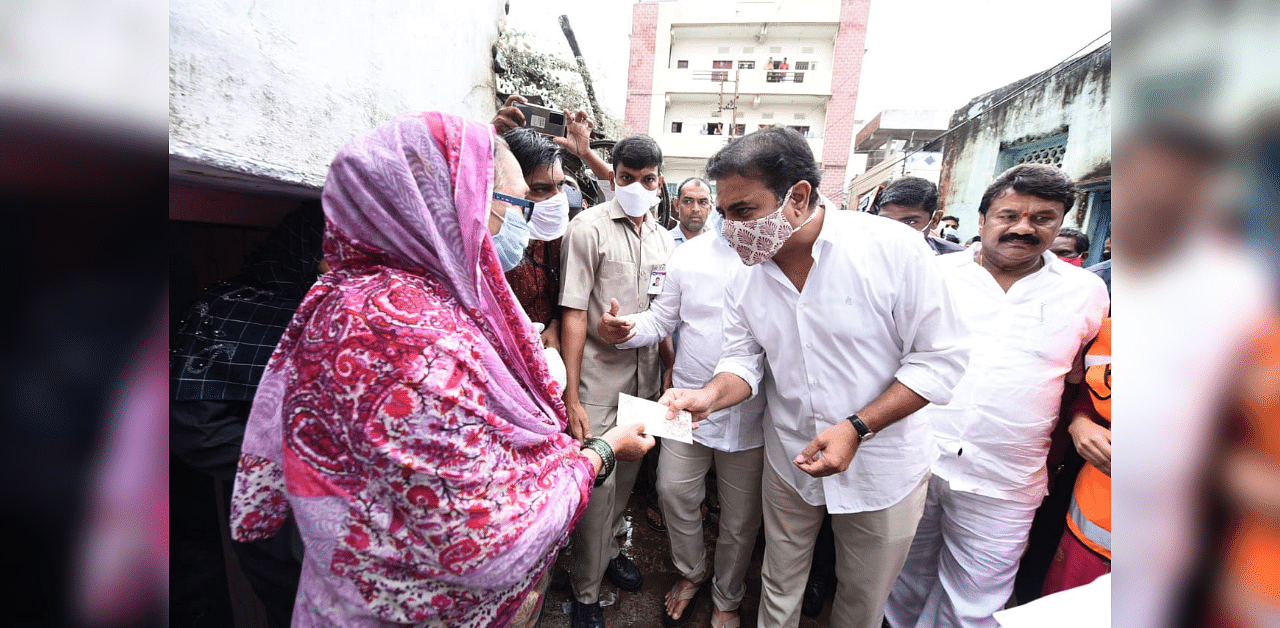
(1031, 316)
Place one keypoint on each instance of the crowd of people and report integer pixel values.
(439, 418)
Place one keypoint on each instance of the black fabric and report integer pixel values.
(221, 349)
(942, 247)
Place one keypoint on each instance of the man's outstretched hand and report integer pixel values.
(613, 329)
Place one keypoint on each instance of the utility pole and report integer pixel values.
(582, 69)
(734, 124)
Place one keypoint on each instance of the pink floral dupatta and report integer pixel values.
(407, 418)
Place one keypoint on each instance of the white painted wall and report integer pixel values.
(1085, 109)
(275, 89)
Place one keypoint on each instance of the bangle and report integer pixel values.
(607, 458)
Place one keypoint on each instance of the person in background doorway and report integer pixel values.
(1071, 246)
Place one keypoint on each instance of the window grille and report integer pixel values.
(721, 65)
(767, 116)
(1049, 150)
(682, 64)
(802, 65)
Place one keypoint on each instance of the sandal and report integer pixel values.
(653, 517)
(681, 594)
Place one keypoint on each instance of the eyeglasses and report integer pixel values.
(689, 201)
(525, 205)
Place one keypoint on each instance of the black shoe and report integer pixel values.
(586, 615)
(624, 574)
(815, 594)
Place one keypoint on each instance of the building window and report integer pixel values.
(1048, 150)
(739, 129)
(763, 127)
(746, 65)
(808, 50)
(719, 77)
(712, 128)
(721, 65)
(676, 127)
(682, 64)
(802, 65)
(797, 77)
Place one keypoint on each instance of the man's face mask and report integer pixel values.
(635, 199)
(758, 240)
(550, 218)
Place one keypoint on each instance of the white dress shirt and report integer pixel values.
(693, 299)
(678, 235)
(874, 309)
(993, 437)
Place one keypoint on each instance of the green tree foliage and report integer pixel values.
(531, 72)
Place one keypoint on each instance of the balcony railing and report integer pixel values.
(754, 81)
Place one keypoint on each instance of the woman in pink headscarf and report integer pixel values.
(407, 419)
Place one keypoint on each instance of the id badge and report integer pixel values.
(657, 278)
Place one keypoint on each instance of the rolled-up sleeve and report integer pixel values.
(662, 317)
(742, 355)
(935, 339)
(579, 256)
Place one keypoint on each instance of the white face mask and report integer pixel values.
(635, 199)
(758, 240)
(550, 218)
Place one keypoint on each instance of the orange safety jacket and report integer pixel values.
(1089, 516)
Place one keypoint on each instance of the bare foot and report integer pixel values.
(721, 618)
(679, 596)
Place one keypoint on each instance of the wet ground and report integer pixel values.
(651, 553)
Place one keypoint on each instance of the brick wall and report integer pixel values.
(644, 28)
(850, 46)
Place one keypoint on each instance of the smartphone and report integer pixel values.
(542, 119)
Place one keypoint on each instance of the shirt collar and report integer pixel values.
(616, 213)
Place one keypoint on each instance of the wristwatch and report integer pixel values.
(864, 432)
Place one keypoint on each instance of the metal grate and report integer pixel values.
(1049, 150)
(767, 115)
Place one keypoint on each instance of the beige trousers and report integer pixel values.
(594, 543)
(682, 470)
(871, 548)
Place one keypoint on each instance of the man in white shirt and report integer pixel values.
(858, 331)
(1031, 316)
(693, 207)
(731, 439)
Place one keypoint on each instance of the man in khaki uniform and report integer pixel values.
(613, 250)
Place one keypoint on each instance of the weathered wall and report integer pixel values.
(1077, 100)
(273, 90)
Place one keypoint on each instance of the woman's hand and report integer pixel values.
(629, 442)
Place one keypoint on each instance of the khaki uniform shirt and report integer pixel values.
(602, 257)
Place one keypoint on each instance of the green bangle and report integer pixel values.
(607, 458)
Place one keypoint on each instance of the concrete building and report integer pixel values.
(262, 96)
(1061, 116)
(698, 77)
(895, 143)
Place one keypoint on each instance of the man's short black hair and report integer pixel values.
(779, 156)
(1082, 240)
(698, 180)
(946, 218)
(910, 192)
(637, 152)
(532, 149)
(1039, 180)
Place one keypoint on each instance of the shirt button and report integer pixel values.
(814, 382)
(818, 417)
(808, 345)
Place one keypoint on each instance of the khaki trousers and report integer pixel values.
(871, 548)
(594, 543)
(682, 470)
